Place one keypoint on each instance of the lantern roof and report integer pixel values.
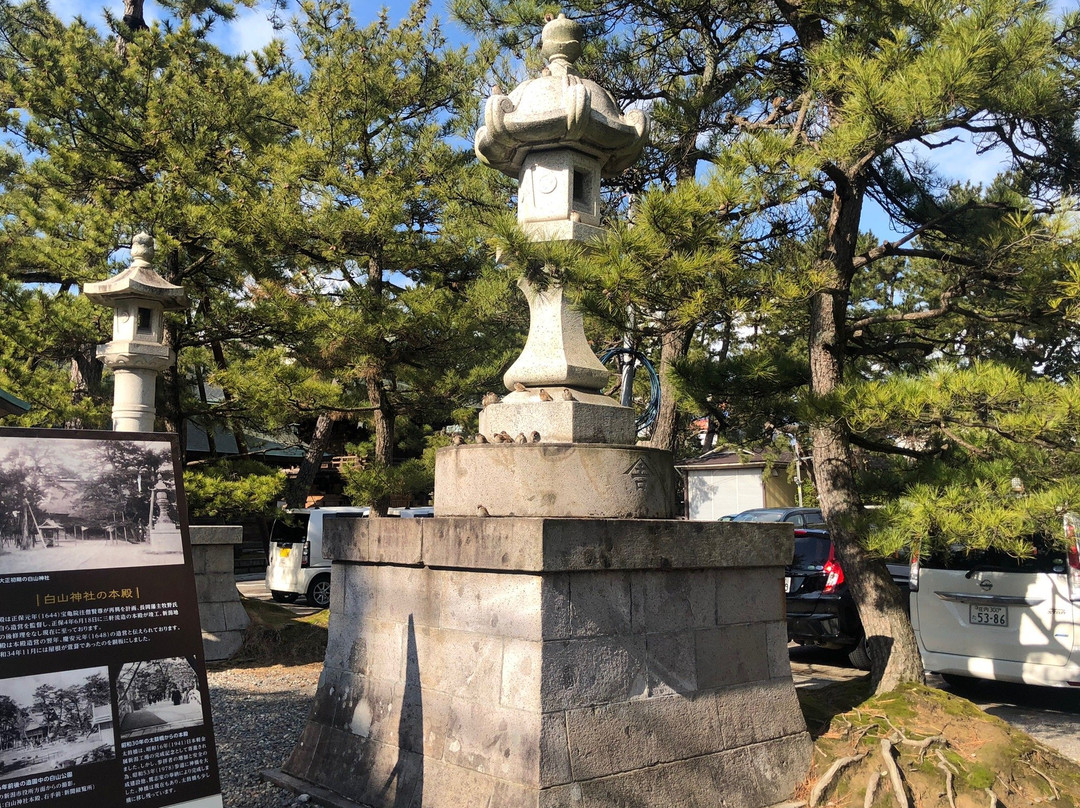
(139, 280)
(559, 109)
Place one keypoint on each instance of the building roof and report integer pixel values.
(10, 405)
(728, 458)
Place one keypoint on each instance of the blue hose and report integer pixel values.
(652, 408)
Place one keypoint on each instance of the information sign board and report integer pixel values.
(103, 694)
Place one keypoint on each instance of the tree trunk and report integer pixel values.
(673, 347)
(171, 410)
(221, 364)
(298, 488)
(890, 640)
(86, 370)
(383, 427)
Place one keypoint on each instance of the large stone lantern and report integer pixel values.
(552, 637)
(139, 298)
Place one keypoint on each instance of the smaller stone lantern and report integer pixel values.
(139, 298)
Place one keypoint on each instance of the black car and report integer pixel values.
(800, 517)
(820, 610)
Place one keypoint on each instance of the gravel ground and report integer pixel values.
(258, 716)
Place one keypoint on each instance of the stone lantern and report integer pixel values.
(139, 298)
(553, 636)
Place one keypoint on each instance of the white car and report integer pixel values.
(296, 564)
(988, 615)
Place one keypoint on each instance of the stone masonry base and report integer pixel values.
(539, 663)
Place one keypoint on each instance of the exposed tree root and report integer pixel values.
(826, 779)
(1049, 782)
(945, 767)
(894, 774)
(994, 801)
(871, 789)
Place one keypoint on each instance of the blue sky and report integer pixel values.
(250, 30)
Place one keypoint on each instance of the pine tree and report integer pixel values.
(164, 135)
(368, 217)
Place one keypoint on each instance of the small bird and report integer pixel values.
(482, 511)
(457, 440)
(503, 437)
(519, 387)
(535, 437)
(545, 395)
(480, 438)
(521, 438)
(567, 395)
(489, 399)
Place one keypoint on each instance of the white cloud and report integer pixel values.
(251, 30)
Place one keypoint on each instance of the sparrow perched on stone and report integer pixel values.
(534, 437)
(489, 399)
(545, 395)
(482, 511)
(521, 438)
(457, 440)
(480, 438)
(503, 437)
(567, 395)
(519, 387)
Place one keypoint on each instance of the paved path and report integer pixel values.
(251, 586)
(1050, 714)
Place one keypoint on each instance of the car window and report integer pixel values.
(1046, 557)
(811, 551)
(760, 516)
(292, 527)
(797, 519)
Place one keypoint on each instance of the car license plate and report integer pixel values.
(988, 615)
(283, 552)
(787, 583)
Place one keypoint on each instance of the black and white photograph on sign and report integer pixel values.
(55, 721)
(159, 695)
(77, 504)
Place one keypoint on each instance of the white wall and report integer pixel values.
(713, 493)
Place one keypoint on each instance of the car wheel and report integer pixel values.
(284, 597)
(859, 657)
(318, 593)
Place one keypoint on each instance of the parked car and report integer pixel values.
(820, 608)
(988, 615)
(800, 517)
(296, 565)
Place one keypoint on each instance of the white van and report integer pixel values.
(987, 615)
(296, 565)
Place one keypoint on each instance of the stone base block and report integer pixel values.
(561, 421)
(458, 681)
(509, 479)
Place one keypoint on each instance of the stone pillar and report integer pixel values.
(221, 613)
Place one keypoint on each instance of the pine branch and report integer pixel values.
(891, 448)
